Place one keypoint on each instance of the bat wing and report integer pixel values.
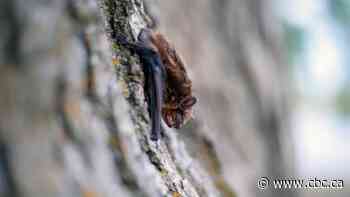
(156, 97)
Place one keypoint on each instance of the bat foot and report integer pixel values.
(154, 136)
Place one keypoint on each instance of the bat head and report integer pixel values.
(177, 116)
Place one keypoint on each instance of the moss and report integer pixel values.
(131, 79)
(164, 173)
(224, 188)
(176, 194)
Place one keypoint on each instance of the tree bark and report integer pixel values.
(74, 120)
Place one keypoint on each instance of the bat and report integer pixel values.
(178, 99)
(168, 87)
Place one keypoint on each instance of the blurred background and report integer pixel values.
(316, 34)
(272, 80)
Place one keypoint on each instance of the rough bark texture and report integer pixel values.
(73, 120)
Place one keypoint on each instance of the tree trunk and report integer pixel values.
(74, 120)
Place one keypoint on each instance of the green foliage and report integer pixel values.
(343, 102)
(294, 39)
(340, 10)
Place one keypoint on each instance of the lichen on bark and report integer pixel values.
(127, 18)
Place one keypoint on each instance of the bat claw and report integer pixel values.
(154, 136)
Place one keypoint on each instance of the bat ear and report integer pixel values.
(188, 102)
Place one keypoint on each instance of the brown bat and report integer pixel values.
(178, 99)
(168, 87)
